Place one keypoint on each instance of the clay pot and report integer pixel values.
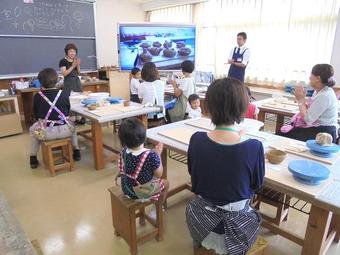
(145, 56)
(155, 51)
(276, 156)
(180, 44)
(170, 53)
(185, 51)
(157, 44)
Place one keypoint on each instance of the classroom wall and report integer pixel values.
(108, 14)
(335, 59)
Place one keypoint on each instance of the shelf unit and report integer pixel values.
(9, 116)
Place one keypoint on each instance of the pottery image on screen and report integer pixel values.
(155, 51)
(180, 44)
(156, 44)
(145, 56)
(167, 44)
(145, 45)
(139, 43)
(185, 51)
(170, 53)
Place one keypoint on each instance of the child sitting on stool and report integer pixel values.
(139, 166)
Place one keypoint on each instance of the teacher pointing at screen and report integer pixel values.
(70, 69)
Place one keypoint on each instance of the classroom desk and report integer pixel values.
(280, 113)
(26, 102)
(13, 239)
(324, 218)
(96, 130)
(26, 96)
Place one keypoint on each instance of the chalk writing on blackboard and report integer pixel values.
(42, 17)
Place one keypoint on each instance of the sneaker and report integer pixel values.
(76, 155)
(34, 162)
(81, 121)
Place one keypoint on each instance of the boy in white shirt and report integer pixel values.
(134, 84)
(186, 85)
(193, 108)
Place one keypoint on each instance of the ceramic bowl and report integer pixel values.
(276, 156)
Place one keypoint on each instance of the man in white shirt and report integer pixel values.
(239, 58)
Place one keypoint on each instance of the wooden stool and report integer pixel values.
(257, 249)
(64, 146)
(125, 211)
(277, 199)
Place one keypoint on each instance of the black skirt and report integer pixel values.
(134, 98)
(304, 134)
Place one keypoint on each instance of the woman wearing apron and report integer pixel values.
(70, 69)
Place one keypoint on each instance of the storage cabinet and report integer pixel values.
(9, 116)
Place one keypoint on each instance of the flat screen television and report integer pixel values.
(166, 45)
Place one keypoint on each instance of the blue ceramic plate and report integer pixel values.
(89, 101)
(306, 181)
(308, 171)
(322, 155)
(114, 100)
(311, 144)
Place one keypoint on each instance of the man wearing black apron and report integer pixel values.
(239, 58)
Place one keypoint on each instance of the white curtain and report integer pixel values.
(286, 37)
(177, 14)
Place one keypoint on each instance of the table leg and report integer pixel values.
(262, 117)
(279, 122)
(97, 143)
(316, 232)
(335, 226)
(27, 106)
(144, 119)
(164, 158)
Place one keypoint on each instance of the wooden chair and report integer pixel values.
(258, 248)
(125, 211)
(277, 199)
(62, 160)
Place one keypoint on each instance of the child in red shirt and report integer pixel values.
(252, 108)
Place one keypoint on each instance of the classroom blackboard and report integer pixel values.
(33, 34)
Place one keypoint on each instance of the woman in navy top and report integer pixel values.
(226, 169)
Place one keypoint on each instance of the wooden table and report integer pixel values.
(26, 96)
(97, 135)
(324, 218)
(280, 113)
(26, 102)
(13, 239)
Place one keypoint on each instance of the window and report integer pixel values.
(286, 37)
(177, 14)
